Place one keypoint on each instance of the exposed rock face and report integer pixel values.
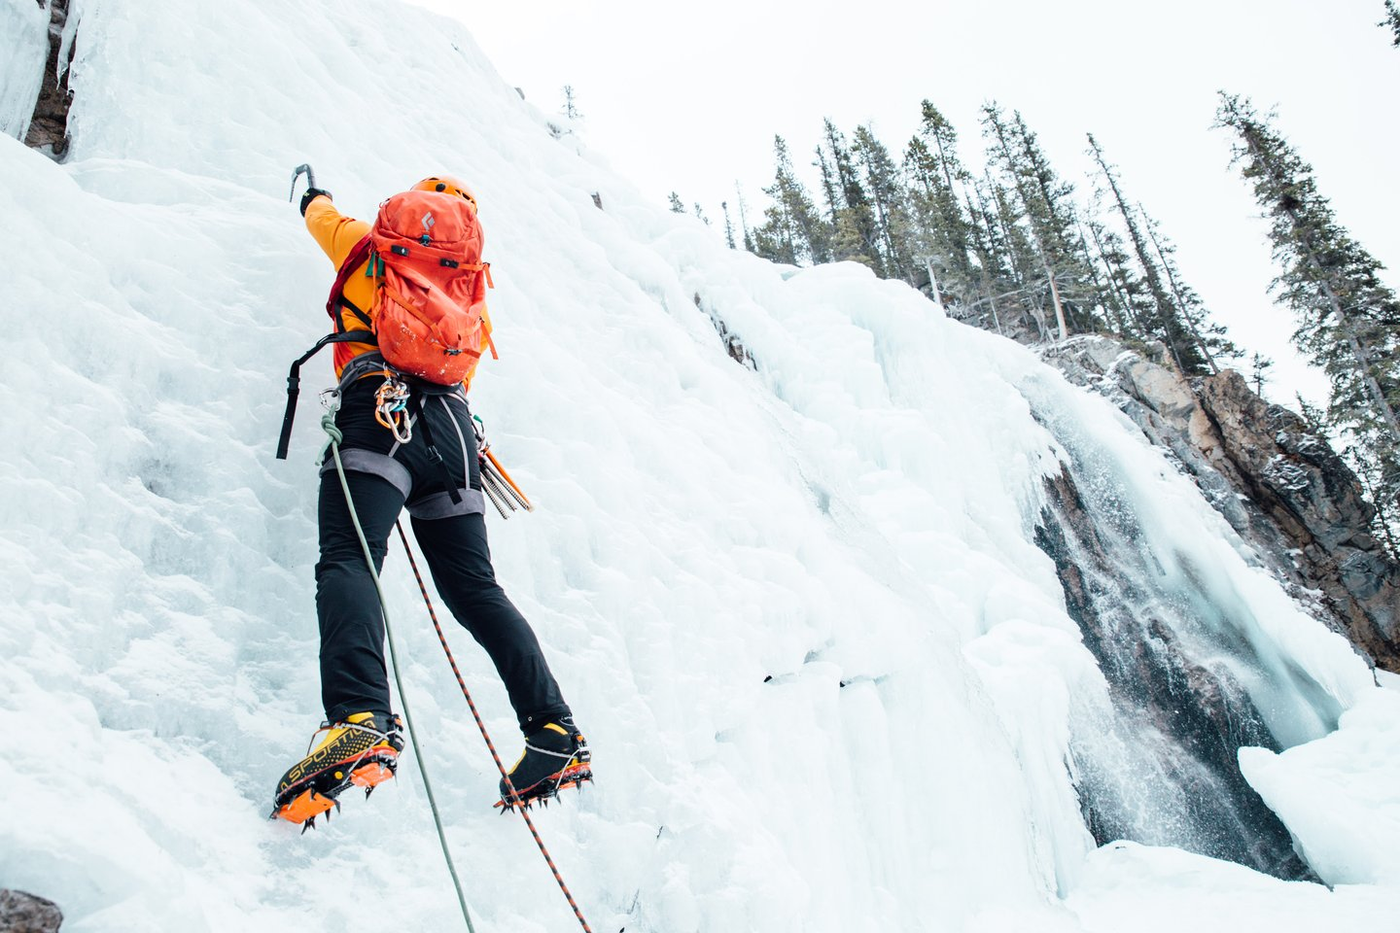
(49, 128)
(732, 345)
(1316, 501)
(25, 913)
(1165, 688)
(1281, 487)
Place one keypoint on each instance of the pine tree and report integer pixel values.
(942, 231)
(830, 190)
(676, 206)
(1372, 473)
(700, 212)
(1259, 366)
(1348, 319)
(570, 108)
(1313, 417)
(935, 128)
(728, 225)
(927, 238)
(744, 219)
(791, 232)
(1052, 209)
(892, 223)
(995, 277)
(1392, 21)
(855, 234)
(1049, 197)
(1027, 293)
(772, 238)
(1129, 293)
(1010, 151)
(1164, 321)
(1209, 336)
(1104, 293)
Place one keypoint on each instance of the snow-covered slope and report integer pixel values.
(828, 676)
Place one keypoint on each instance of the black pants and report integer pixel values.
(384, 476)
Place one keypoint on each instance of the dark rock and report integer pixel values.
(48, 130)
(1283, 489)
(25, 913)
(1162, 687)
(1314, 498)
(732, 345)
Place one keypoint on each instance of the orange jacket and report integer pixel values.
(337, 235)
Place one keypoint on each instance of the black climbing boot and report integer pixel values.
(555, 757)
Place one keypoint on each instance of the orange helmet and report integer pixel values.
(448, 185)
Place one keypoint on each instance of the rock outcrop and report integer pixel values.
(1315, 500)
(25, 913)
(48, 130)
(1180, 695)
(1279, 485)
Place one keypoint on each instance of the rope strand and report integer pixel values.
(432, 614)
(334, 432)
(328, 422)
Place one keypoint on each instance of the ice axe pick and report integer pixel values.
(310, 179)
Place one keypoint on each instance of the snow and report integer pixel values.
(1132, 887)
(1354, 836)
(827, 675)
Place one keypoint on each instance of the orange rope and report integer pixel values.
(422, 588)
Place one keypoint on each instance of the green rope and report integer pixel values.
(328, 423)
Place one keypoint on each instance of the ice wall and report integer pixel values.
(800, 611)
(24, 35)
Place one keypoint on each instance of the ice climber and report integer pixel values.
(410, 441)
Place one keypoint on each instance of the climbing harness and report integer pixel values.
(335, 435)
(391, 407)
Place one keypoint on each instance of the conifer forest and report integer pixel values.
(1014, 247)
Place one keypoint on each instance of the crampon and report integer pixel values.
(352, 756)
(576, 774)
(320, 793)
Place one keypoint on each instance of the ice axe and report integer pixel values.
(310, 179)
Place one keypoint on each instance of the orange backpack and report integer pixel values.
(429, 315)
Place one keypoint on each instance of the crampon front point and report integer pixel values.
(575, 775)
(352, 753)
(319, 793)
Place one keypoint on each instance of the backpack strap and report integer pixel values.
(359, 253)
(294, 380)
(350, 306)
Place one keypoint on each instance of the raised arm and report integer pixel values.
(336, 233)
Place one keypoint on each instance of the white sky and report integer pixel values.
(688, 97)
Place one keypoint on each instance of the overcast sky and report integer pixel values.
(688, 97)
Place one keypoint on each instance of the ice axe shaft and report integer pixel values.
(310, 179)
